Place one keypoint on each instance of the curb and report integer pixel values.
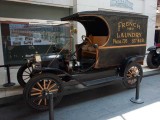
(151, 73)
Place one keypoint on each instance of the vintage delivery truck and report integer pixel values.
(112, 51)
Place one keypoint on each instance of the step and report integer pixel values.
(102, 81)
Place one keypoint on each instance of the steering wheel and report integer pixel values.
(86, 38)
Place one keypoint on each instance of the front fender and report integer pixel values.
(151, 48)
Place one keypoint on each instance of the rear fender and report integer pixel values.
(129, 60)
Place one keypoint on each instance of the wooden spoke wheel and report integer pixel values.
(24, 74)
(37, 89)
(130, 73)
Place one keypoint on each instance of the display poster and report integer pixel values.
(26, 34)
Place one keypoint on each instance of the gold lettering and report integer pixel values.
(138, 26)
(134, 24)
(123, 25)
(129, 25)
(123, 41)
(122, 35)
(125, 35)
(119, 24)
(138, 35)
(129, 35)
(133, 34)
(114, 41)
(118, 36)
(138, 40)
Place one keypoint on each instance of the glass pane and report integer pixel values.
(21, 40)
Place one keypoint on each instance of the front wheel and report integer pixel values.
(24, 74)
(36, 90)
(131, 71)
(151, 60)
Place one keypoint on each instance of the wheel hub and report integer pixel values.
(31, 75)
(45, 92)
(132, 73)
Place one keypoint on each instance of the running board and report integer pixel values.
(102, 81)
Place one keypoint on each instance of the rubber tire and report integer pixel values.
(33, 81)
(20, 73)
(150, 61)
(125, 82)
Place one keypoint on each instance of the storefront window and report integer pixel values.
(21, 40)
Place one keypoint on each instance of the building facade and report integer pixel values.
(56, 9)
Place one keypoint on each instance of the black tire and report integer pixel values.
(36, 97)
(131, 71)
(24, 74)
(151, 62)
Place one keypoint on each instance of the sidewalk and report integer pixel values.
(149, 72)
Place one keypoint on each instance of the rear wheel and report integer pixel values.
(24, 74)
(131, 71)
(151, 60)
(36, 90)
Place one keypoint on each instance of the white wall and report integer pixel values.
(146, 7)
(106, 4)
(31, 11)
(83, 5)
(58, 3)
(150, 10)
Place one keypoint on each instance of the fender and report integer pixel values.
(151, 48)
(129, 60)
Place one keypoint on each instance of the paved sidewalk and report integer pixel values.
(149, 72)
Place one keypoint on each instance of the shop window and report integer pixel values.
(22, 40)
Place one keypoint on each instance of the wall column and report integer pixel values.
(150, 10)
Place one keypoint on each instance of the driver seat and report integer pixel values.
(88, 51)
